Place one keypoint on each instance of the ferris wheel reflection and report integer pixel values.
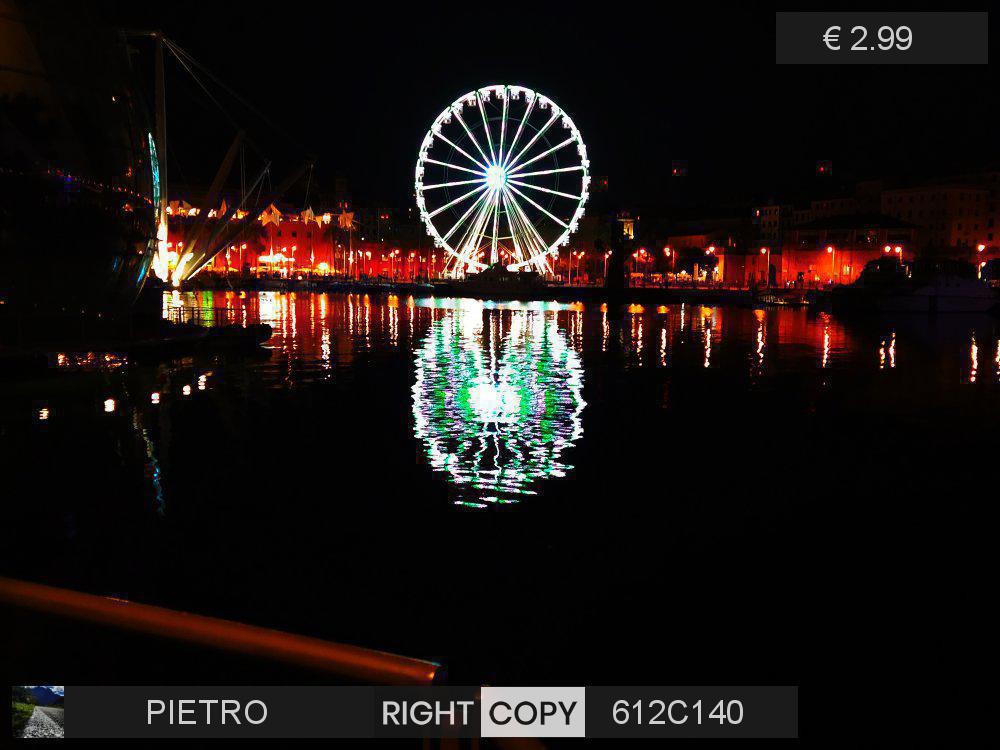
(497, 400)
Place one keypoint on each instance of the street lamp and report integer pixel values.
(767, 267)
(669, 253)
(641, 257)
(832, 252)
(578, 254)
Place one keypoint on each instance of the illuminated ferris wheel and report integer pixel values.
(502, 178)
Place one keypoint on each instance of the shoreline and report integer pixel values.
(586, 294)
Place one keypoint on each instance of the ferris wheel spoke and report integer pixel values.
(577, 168)
(540, 261)
(464, 216)
(461, 220)
(462, 151)
(459, 199)
(518, 253)
(517, 134)
(486, 127)
(545, 211)
(472, 138)
(463, 245)
(544, 189)
(503, 127)
(484, 228)
(512, 219)
(478, 181)
(470, 249)
(513, 162)
(535, 249)
(496, 218)
(472, 231)
(515, 170)
(429, 160)
(530, 235)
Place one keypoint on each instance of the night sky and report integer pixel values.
(359, 87)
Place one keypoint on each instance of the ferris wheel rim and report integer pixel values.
(494, 171)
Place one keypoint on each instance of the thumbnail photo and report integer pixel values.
(37, 711)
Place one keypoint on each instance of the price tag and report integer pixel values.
(866, 38)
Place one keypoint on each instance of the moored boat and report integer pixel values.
(79, 175)
(887, 285)
(497, 282)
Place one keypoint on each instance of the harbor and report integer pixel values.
(410, 418)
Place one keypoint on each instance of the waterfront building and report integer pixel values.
(771, 220)
(830, 239)
(953, 215)
(835, 249)
(290, 242)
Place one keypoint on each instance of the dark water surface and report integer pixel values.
(535, 492)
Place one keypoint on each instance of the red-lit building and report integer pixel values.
(704, 255)
(286, 242)
(835, 249)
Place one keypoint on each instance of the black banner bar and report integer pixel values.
(219, 712)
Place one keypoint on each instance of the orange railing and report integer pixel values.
(345, 661)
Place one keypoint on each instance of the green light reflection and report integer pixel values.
(497, 400)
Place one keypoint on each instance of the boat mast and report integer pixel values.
(161, 150)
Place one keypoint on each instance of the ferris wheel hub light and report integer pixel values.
(496, 177)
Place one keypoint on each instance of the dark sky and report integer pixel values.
(645, 83)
